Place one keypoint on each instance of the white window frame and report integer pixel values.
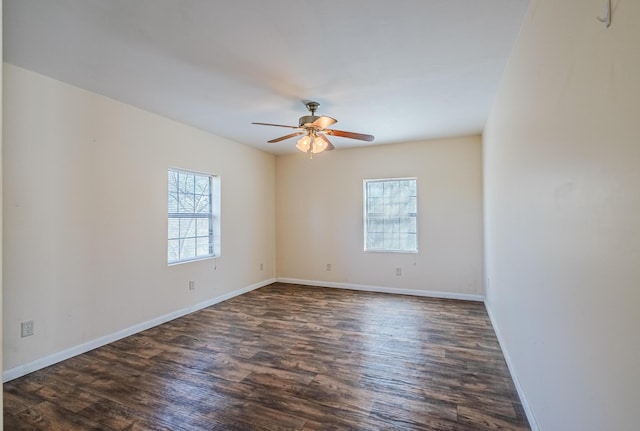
(193, 214)
(390, 210)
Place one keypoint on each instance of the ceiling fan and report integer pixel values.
(314, 129)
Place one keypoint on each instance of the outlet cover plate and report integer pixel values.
(26, 328)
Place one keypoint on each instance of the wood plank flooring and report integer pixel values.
(285, 357)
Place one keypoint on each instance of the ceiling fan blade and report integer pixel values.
(324, 121)
(282, 138)
(352, 135)
(277, 125)
(329, 144)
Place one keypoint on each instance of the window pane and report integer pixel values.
(409, 206)
(202, 246)
(201, 204)
(375, 224)
(391, 242)
(173, 203)
(188, 249)
(202, 227)
(185, 203)
(409, 242)
(174, 228)
(376, 206)
(202, 185)
(390, 209)
(412, 185)
(187, 227)
(174, 250)
(391, 191)
(389, 224)
(375, 189)
(407, 224)
(375, 241)
(186, 182)
(172, 177)
(407, 188)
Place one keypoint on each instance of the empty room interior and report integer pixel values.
(320, 215)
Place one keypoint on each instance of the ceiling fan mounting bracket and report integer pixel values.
(312, 107)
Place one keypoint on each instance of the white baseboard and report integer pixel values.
(523, 399)
(54, 358)
(383, 289)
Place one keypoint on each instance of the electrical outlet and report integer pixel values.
(261, 267)
(398, 271)
(192, 285)
(26, 328)
(328, 267)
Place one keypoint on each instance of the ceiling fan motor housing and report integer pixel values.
(307, 119)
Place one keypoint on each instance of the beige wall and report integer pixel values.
(562, 198)
(320, 217)
(85, 226)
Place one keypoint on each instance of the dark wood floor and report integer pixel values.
(285, 357)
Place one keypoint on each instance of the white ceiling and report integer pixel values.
(402, 70)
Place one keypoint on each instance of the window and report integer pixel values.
(194, 222)
(390, 215)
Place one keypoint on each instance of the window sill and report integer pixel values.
(197, 259)
(392, 251)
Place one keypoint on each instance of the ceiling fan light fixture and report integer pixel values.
(319, 145)
(304, 143)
